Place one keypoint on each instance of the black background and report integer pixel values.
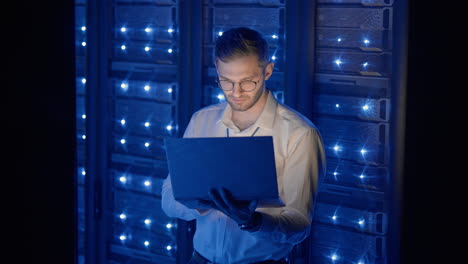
(40, 117)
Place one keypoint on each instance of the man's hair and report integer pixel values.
(241, 41)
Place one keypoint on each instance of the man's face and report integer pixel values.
(241, 69)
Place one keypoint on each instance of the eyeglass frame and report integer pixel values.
(217, 80)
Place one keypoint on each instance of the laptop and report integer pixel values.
(243, 165)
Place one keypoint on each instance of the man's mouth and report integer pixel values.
(238, 100)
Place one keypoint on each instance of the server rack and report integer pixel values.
(351, 107)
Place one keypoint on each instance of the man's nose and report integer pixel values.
(236, 90)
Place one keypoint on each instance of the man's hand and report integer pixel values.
(241, 212)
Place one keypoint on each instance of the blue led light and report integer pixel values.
(168, 248)
(148, 30)
(363, 151)
(362, 176)
(147, 183)
(123, 141)
(123, 47)
(147, 124)
(169, 50)
(336, 148)
(334, 217)
(360, 262)
(123, 216)
(273, 57)
(83, 80)
(83, 28)
(83, 173)
(147, 88)
(365, 64)
(365, 107)
(123, 29)
(122, 122)
(169, 90)
(335, 174)
(122, 237)
(146, 243)
(361, 222)
(169, 127)
(337, 105)
(169, 226)
(334, 257)
(274, 36)
(366, 41)
(147, 221)
(147, 48)
(83, 136)
(124, 86)
(220, 33)
(147, 144)
(83, 44)
(220, 96)
(338, 39)
(338, 62)
(123, 179)
(170, 30)
(83, 116)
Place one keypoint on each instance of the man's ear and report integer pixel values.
(269, 70)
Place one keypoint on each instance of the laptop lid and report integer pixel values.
(243, 165)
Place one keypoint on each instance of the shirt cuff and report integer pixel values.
(268, 223)
(202, 211)
(255, 224)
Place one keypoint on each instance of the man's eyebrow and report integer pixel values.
(246, 78)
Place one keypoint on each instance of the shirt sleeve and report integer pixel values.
(173, 208)
(303, 167)
(170, 206)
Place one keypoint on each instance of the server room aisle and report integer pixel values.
(142, 69)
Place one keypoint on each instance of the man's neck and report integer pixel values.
(243, 119)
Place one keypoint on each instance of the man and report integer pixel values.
(234, 232)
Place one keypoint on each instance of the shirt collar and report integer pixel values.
(264, 120)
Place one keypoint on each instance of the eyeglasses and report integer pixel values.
(246, 86)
